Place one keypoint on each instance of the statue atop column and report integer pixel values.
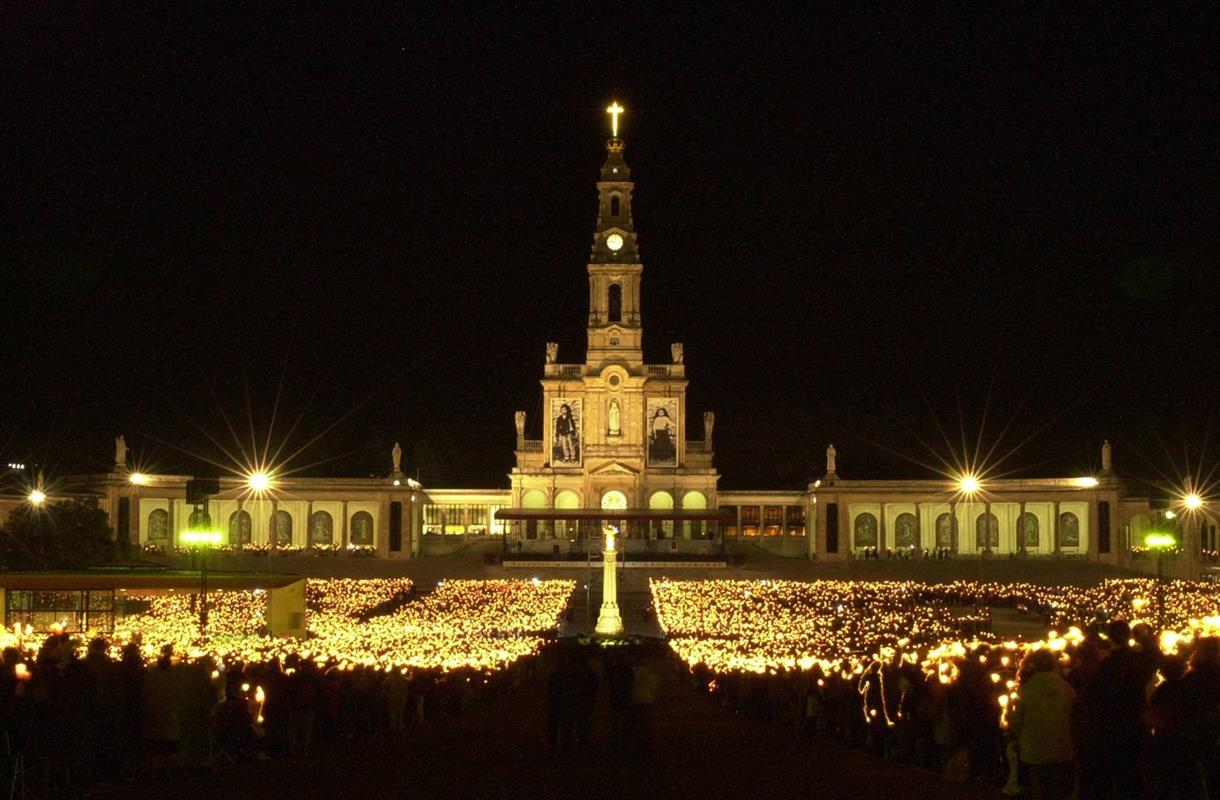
(552, 352)
(709, 422)
(396, 458)
(830, 462)
(675, 350)
(609, 620)
(120, 451)
(1107, 458)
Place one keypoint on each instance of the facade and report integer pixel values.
(616, 444)
(615, 435)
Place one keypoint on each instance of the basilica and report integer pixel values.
(618, 449)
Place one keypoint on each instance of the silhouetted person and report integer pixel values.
(1175, 774)
(1200, 703)
(162, 721)
(1041, 724)
(1116, 717)
(620, 677)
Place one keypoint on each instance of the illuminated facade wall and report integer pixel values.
(614, 432)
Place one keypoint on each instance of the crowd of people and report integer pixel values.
(572, 686)
(1108, 716)
(68, 720)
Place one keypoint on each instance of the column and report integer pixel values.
(880, 529)
(1055, 525)
(308, 523)
(413, 524)
(987, 527)
(811, 529)
(1021, 528)
(171, 536)
(919, 545)
(343, 530)
(953, 527)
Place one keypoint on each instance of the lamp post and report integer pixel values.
(205, 539)
(969, 485)
(1160, 542)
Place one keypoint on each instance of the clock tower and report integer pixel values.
(615, 328)
(614, 438)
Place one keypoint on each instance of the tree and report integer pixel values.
(67, 535)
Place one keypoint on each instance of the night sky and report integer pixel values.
(866, 227)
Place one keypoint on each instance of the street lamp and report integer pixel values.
(258, 481)
(37, 497)
(205, 538)
(970, 485)
(1160, 542)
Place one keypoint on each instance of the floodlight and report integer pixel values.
(200, 537)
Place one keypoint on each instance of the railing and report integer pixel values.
(658, 369)
(531, 446)
(697, 447)
(573, 370)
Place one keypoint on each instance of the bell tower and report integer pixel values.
(615, 327)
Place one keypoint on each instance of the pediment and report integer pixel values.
(613, 468)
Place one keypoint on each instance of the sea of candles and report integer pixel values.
(770, 626)
(484, 625)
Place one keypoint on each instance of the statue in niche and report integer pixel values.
(1107, 459)
(519, 422)
(120, 451)
(552, 352)
(709, 422)
(675, 350)
(615, 418)
(830, 460)
(396, 458)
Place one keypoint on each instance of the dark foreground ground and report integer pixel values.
(497, 749)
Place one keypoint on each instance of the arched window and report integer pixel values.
(362, 529)
(987, 532)
(616, 205)
(1029, 530)
(1069, 530)
(158, 525)
(614, 500)
(944, 531)
(567, 499)
(866, 530)
(321, 529)
(532, 499)
(240, 527)
(662, 501)
(281, 528)
(694, 501)
(905, 534)
(615, 303)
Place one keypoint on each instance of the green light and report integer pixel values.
(1160, 540)
(200, 537)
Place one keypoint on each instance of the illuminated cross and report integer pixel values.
(614, 110)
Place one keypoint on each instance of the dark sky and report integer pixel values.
(866, 227)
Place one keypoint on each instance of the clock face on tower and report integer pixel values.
(614, 241)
